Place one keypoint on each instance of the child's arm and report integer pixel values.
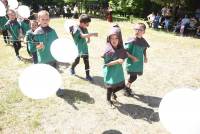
(118, 61)
(145, 56)
(89, 35)
(88, 40)
(133, 58)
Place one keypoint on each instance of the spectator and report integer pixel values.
(150, 19)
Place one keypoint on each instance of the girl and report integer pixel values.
(114, 56)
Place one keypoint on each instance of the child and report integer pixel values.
(114, 56)
(25, 26)
(79, 34)
(14, 28)
(137, 48)
(30, 42)
(3, 20)
(44, 35)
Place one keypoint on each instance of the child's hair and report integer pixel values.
(11, 11)
(43, 13)
(84, 18)
(33, 21)
(142, 25)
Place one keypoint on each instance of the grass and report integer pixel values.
(173, 62)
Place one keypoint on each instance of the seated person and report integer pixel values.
(150, 19)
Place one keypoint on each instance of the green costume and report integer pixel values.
(45, 35)
(136, 47)
(30, 40)
(25, 25)
(3, 21)
(80, 42)
(14, 28)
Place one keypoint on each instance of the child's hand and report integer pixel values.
(95, 34)
(145, 60)
(40, 46)
(134, 59)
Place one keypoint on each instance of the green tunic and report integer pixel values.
(3, 21)
(79, 41)
(25, 25)
(136, 47)
(45, 35)
(29, 39)
(14, 28)
(113, 75)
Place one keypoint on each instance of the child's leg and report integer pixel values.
(17, 46)
(109, 93)
(34, 55)
(5, 36)
(75, 63)
(131, 79)
(87, 66)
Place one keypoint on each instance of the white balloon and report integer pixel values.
(179, 111)
(13, 4)
(39, 81)
(3, 9)
(23, 11)
(64, 50)
(69, 23)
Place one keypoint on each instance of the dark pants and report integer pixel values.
(86, 62)
(5, 36)
(17, 46)
(114, 90)
(132, 78)
(34, 55)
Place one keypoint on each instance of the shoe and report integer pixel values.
(72, 72)
(128, 92)
(18, 57)
(60, 92)
(89, 78)
(114, 96)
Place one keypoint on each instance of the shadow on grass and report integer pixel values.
(111, 132)
(72, 97)
(97, 80)
(149, 100)
(139, 112)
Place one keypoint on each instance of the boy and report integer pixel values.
(14, 28)
(44, 35)
(79, 34)
(29, 40)
(137, 48)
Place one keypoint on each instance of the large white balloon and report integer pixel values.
(23, 11)
(64, 50)
(13, 4)
(69, 23)
(39, 81)
(3, 9)
(179, 111)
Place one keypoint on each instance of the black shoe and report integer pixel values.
(60, 92)
(128, 92)
(114, 96)
(89, 78)
(72, 71)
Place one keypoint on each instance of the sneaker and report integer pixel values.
(72, 72)
(18, 57)
(114, 96)
(89, 78)
(128, 92)
(60, 92)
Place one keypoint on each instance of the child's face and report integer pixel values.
(84, 25)
(114, 40)
(34, 26)
(139, 31)
(11, 15)
(44, 20)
